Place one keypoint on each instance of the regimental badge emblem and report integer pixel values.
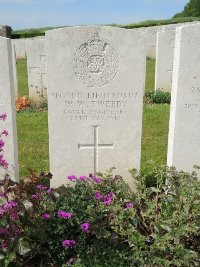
(96, 62)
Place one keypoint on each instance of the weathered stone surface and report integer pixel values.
(164, 60)
(95, 100)
(37, 70)
(184, 137)
(14, 69)
(7, 104)
(20, 49)
(151, 39)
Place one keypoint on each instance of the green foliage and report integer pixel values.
(158, 97)
(27, 35)
(191, 9)
(30, 33)
(157, 226)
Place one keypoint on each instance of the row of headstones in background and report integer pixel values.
(7, 105)
(151, 36)
(20, 48)
(164, 60)
(37, 70)
(184, 137)
(34, 50)
(96, 99)
(165, 56)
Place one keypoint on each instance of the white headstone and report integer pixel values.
(164, 60)
(171, 27)
(184, 137)
(20, 49)
(95, 100)
(151, 39)
(37, 70)
(14, 69)
(7, 105)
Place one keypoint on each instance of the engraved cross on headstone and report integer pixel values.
(96, 146)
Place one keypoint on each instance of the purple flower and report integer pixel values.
(83, 178)
(63, 214)
(90, 175)
(13, 216)
(107, 200)
(3, 162)
(2, 144)
(35, 196)
(50, 190)
(4, 244)
(10, 205)
(41, 187)
(16, 231)
(72, 177)
(85, 227)
(3, 116)
(5, 133)
(4, 231)
(68, 243)
(46, 216)
(110, 194)
(98, 195)
(128, 205)
(97, 180)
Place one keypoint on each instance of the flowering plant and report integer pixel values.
(99, 221)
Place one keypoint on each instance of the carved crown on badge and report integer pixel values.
(96, 44)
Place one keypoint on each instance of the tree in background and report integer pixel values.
(192, 9)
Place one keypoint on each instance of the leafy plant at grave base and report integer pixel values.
(22, 103)
(99, 221)
(158, 97)
(44, 105)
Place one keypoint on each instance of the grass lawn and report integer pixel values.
(150, 75)
(33, 129)
(22, 78)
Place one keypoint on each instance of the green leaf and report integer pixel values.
(22, 247)
(2, 257)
